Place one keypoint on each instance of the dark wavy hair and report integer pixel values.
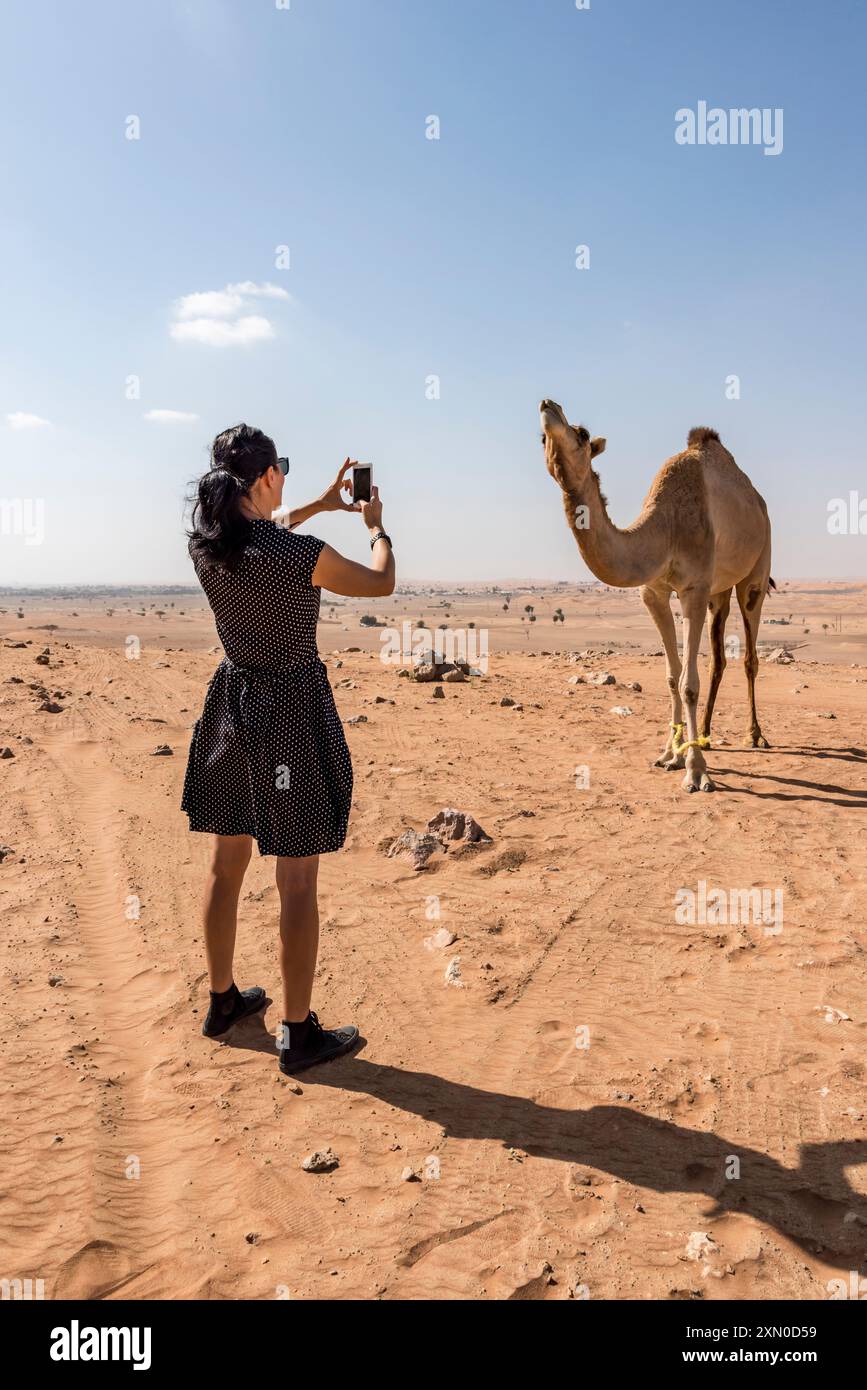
(239, 457)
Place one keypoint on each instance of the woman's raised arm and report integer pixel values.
(346, 577)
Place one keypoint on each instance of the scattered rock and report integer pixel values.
(51, 707)
(701, 1246)
(163, 750)
(358, 719)
(450, 825)
(623, 710)
(417, 848)
(633, 685)
(780, 656)
(507, 702)
(42, 659)
(409, 1175)
(440, 940)
(453, 974)
(832, 1015)
(6, 753)
(323, 1161)
(601, 678)
(455, 676)
(439, 693)
(55, 980)
(5, 851)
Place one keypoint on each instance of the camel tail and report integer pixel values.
(700, 436)
(771, 585)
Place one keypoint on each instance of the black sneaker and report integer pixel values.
(320, 1045)
(220, 1021)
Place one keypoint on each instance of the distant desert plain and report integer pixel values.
(591, 1068)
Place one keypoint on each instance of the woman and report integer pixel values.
(268, 759)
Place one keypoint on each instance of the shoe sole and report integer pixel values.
(321, 1060)
(242, 1018)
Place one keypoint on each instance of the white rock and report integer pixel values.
(440, 940)
(701, 1246)
(453, 974)
(832, 1015)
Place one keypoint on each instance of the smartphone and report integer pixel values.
(362, 482)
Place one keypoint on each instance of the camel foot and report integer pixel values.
(698, 781)
(671, 762)
(756, 740)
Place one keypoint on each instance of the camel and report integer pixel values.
(703, 531)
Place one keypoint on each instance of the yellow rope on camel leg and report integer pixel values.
(677, 747)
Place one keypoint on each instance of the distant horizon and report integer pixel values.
(499, 585)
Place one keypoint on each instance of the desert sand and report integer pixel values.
(605, 1101)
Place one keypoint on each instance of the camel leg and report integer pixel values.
(717, 617)
(658, 604)
(694, 604)
(751, 594)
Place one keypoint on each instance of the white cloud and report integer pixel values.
(215, 304)
(20, 420)
(171, 417)
(220, 333)
(254, 291)
(217, 317)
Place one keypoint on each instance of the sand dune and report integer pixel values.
(707, 1142)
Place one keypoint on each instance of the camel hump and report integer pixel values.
(702, 435)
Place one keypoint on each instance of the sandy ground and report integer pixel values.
(616, 1103)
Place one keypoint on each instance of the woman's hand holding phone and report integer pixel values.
(371, 512)
(332, 499)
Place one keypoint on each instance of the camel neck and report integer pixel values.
(623, 559)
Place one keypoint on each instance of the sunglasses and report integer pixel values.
(283, 465)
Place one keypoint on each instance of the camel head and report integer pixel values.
(569, 450)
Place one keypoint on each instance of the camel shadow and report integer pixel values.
(846, 755)
(813, 1204)
(835, 795)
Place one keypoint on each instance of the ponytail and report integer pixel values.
(239, 457)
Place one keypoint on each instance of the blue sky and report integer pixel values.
(410, 257)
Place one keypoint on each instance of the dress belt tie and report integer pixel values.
(254, 690)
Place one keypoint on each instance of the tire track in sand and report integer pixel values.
(131, 1223)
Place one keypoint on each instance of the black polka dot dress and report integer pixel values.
(268, 757)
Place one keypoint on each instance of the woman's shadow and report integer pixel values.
(813, 1204)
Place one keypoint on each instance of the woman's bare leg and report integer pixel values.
(228, 865)
(297, 881)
